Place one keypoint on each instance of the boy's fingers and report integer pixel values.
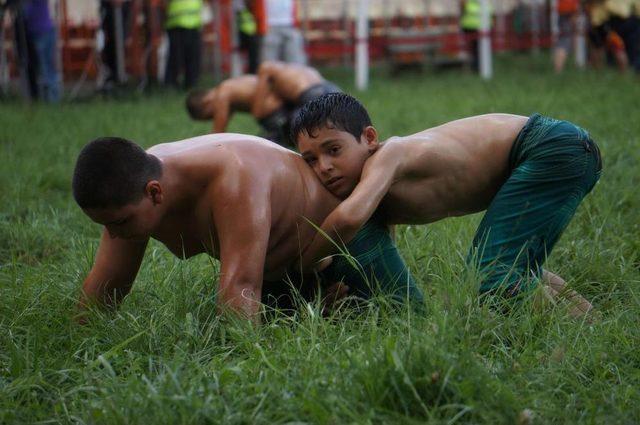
(337, 291)
(333, 295)
(342, 290)
(324, 263)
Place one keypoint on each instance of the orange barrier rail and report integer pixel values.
(328, 41)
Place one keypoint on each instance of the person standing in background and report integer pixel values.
(567, 14)
(283, 41)
(25, 51)
(471, 22)
(627, 26)
(248, 33)
(42, 35)
(183, 25)
(108, 10)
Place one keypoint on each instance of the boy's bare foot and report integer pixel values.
(555, 288)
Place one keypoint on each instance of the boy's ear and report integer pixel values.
(370, 138)
(153, 190)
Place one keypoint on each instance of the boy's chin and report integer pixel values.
(341, 194)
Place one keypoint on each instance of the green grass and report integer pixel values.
(164, 357)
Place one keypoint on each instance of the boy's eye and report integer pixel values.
(310, 161)
(334, 149)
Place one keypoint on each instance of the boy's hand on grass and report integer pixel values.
(81, 317)
(332, 296)
(323, 264)
(315, 267)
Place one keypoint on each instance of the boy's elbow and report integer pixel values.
(347, 224)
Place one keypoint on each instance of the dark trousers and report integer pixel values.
(109, 59)
(629, 30)
(184, 53)
(251, 44)
(472, 46)
(27, 58)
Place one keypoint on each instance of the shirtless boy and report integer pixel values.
(241, 199)
(236, 95)
(295, 84)
(272, 97)
(529, 174)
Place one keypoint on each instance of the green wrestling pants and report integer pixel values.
(372, 265)
(554, 165)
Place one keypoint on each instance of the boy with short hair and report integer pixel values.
(529, 174)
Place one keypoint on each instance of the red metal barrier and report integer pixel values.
(328, 41)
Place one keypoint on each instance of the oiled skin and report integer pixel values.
(241, 199)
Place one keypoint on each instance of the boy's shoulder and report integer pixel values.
(393, 146)
(389, 154)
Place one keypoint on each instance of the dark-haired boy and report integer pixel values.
(530, 174)
(237, 95)
(238, 198)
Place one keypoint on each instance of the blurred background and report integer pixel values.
(65, 49)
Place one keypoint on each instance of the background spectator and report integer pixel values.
(42, 34)
(183, 24)
(627, 26)
(26, 52)
(248, 33)
(283, 41)
(567, 14)
(108, 10)
(471, 23)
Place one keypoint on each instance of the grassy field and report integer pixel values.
(164, 357)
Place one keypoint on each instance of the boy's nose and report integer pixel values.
(325, 165)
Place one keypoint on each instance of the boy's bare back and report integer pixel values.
(289, 81)
(240, 92)
(220, 172)
(447, 170)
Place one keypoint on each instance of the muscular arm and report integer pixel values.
(344, 222)
(243, 223)
(221, 111)
(114, 270)
(259, 105)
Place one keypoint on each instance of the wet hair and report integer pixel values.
(195, 104)
(333, 110)
(112, 172)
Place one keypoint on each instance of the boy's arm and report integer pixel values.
(221, 112)
(258, 107)
(343, 223)
(114, 270)
(243, 223)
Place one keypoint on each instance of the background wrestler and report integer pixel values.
(294, 84)
(237, 95)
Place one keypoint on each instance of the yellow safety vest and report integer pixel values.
(246, 22)
(472, 15)
(184, 14)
